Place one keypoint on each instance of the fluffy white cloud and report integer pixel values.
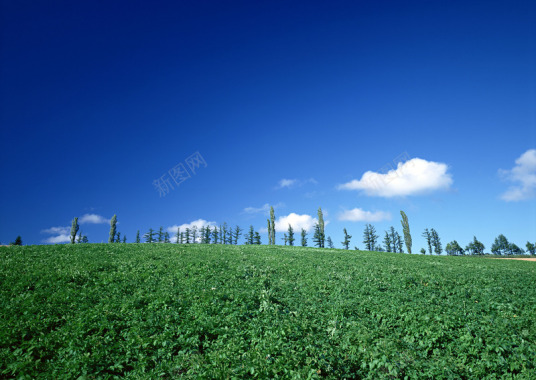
(297, 222)
(287, 183)
(523, 175)
(415, 176)
(93, 219)
(63, 235)
(359, 215)
(199, 223)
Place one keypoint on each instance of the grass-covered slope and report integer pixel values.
(197, 311)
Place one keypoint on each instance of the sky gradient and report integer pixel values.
(361, 108)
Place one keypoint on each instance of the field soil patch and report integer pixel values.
(516, 258)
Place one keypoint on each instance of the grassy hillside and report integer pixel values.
(165, 310)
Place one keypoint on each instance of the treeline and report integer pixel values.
(392, 241)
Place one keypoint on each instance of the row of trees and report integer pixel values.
(392, 240)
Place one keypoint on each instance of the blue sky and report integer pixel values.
(298, 105)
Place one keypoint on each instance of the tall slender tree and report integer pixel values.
(138, 237)
(290, 235)
(285, 238)
(330, 242)
(125, 239)
(317, 236)
(187, 235)
(303, 238)
(250, 235)
(149, 236)
(166, 237)
(269, 231)
(322, 234)
(399, 244)
(118, 238)
(272, 224)
(257, 239)
(237, 233)
(387, 242)
(346, 242)
(74, 229)
(436, 242)
(369, 237)
(215, 235)
(178, 235)
(113, 224)
(405, 230)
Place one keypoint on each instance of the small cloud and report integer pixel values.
(288, 183)
(297, 222)
(359, 215)
(93, 219)
(63, 235)
(264, 209)
(413, 177)
(523, 175)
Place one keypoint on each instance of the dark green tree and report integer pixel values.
(531, 248)
(187, 235)
(436, 242)
(85, 239)
(18, 241)
(454, 249)
(330, 242)
(149, 236)
(346, 242)
(125, 239)
(113, 224)
(257, 239)
(303, 238)
(138, 237)
(428, 237)
(290, 235)
(166, 237)
(500, 246)
(178, 235)
(405, 230)
(387, 242)
(79, 239)
(399, 244)
(423, 251)
(194, 234)
(475, 247)
(250, 235)
(74, 229)
(514, 249)
(369, 237)
(237, 233)
(118, 238)
(215, 235)
(269, 229)
(285, 238)
(317, 236)
(223, 230)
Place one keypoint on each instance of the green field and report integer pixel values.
(213, 311)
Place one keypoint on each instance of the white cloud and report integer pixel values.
(415, 176)
(199, 223)
(58, 239)
(63, 235)
(359, 215)
(295, 182)
(297, 222)
(523, 175)
(264, 209)
(93, 219)
(287, 183)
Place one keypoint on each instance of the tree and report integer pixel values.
(166, 237)
(322, 234)
(500, 246)
(207, 235)
(250, 235)
(303, 238)
(18, 241)
(330, 242)
(436, 242)
(138, 237)
(79, 239)
(475, 247)
(531, 248)
(428, 237)
(387, 242)
(215, 235)
(369, 237)
(346, 242)
(272, 224)
(454, 249)
(423, 251)
(187, 235)
(125, 238)
(514, 249)
(223, 230)
(405, 230)
(118, 238)
(399, 245)
(269, 231)
(113, 224)
(85, 239)
(149, 236)
(317, 236)
(285, 238)
(74, 229)
(178, 235)
(290, 235)
(194, 234)
(257, 239)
